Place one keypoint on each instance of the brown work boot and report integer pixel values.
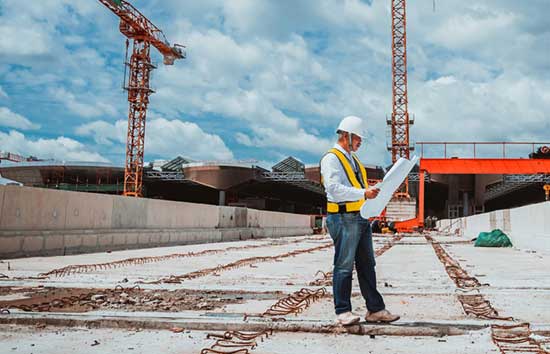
(384, 316)
(347, 318)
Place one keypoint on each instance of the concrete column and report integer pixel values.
(453, 190)
(222, 198)
(479, 190)
(465, 206)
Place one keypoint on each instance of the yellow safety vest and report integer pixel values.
(350, 206)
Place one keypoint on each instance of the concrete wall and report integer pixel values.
(528, 227)
(35, 221)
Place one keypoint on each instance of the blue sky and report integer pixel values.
(267, 79)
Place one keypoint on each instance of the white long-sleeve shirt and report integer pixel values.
(335, 180)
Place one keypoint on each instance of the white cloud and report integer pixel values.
(14, 120)
(478, 26)
(254, 84)
(50, 43)
(170, 137)
(83, 109)
(58, 148)
(278, 19)
(271, 127)
(508, 108)
(104, 133)
(163, 137)
(288, 74)
(243, 139)
(3, 93)
(36, 41)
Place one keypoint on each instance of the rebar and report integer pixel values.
(474, 304)
(325, 280)
(515, 339)
(295, 303)
(177, 279)
(326, 277)
(86, 268)
(235, 342)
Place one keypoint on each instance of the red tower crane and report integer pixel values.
(400, 121)
(143, 34)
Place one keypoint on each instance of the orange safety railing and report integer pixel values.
(475, 145)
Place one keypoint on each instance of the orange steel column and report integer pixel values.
(421, 198)
(399, 123)
(138, 99)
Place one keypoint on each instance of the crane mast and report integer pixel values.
(143, 34)
(400, 121)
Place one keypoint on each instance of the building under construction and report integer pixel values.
(289, 186)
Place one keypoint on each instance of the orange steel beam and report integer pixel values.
(474, 144)
(485, 166)
(476, 166)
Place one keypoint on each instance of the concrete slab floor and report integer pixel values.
(519, 284)
(410, 307)
(410, 276)
(30, 339)
(25, 267)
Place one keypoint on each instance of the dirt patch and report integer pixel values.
(129, 299)
(8, 293)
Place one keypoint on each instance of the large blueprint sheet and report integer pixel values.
(392, 180)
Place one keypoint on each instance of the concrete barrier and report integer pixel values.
(35, 221)
(528, 227)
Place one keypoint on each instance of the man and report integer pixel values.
(345, 181)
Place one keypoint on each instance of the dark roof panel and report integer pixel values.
(290, 164)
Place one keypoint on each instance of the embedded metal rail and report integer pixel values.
(85, 268)
(235, 342)
(177, 279)
(295, 303)
(515, 339)
(474, 304)
(326, 277)
(325, 280)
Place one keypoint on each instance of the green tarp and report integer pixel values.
(495, 238)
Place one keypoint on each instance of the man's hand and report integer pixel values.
(371, 193)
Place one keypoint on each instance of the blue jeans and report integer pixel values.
(352, 238)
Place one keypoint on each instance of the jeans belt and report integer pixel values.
(341, 209)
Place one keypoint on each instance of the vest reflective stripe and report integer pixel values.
(354, 205)
(363, 171)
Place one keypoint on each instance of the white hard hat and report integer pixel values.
(352, 124)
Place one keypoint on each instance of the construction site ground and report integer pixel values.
(274, 296)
